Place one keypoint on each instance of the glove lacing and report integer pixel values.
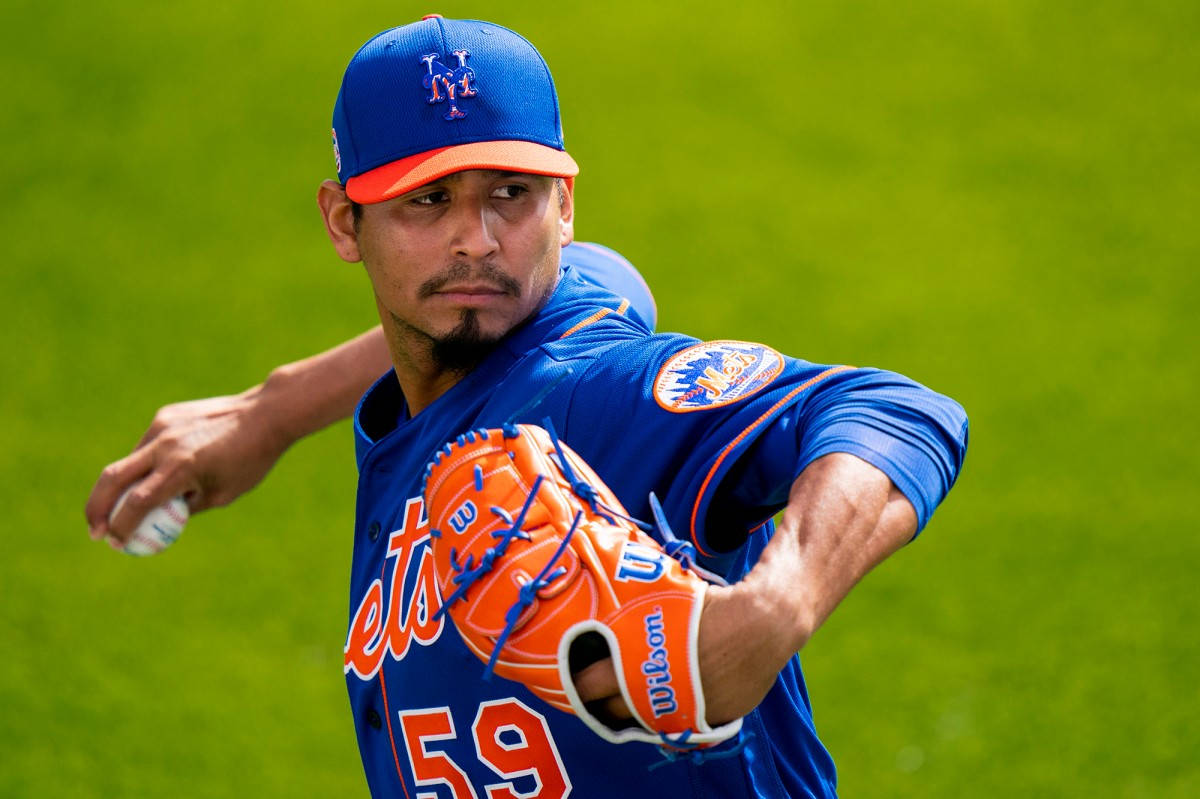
(673, 748)
(676, 749)
(468, 572)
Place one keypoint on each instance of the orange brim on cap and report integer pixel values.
(391, 180)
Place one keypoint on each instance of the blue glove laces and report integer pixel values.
(585, 490)
(692, 752)
(468, 572)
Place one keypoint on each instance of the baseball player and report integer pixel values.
(455, 193)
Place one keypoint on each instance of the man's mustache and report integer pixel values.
(461, 271)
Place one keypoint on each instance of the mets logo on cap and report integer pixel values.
(715, 373)
(447, 85)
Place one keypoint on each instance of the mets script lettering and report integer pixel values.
(732, 366)
(383, 624)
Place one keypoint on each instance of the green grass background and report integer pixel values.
(996, 198)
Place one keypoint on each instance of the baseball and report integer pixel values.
(158, 530)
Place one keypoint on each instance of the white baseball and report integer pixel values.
(158, 530)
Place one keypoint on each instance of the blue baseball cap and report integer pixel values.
(424, 100)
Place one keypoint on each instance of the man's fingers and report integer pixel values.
(155, 489)
(167, 417)
(156, 426)
(113, 480)
(612, 709)
(596, 681)
(598, 689)
(130, 488)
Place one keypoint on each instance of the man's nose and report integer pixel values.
(474, 229)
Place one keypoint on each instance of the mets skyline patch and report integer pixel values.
(715, 373)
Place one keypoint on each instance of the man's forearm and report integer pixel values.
(843, 518)
(313, 393)
(214, 450)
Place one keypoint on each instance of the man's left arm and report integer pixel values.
(843, 517)
(877, 454)
(857, 468)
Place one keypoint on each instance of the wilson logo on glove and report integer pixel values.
(533, 554)
(639, 562)
(657, 667)
(463, 517)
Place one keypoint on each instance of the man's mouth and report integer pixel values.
(458, 282)
(471, 289)
(472, 295)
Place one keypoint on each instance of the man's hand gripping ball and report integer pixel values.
(534, 554)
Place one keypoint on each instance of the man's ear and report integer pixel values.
(339, 220)
(567, 209)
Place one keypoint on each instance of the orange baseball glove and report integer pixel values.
(541, 570)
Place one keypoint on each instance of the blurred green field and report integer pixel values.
(996, 198)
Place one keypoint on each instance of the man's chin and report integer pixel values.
(461, 355)
(463, 348)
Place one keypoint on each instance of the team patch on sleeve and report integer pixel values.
(715, 373)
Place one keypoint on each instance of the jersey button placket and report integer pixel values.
(374, 719)
(373, 532)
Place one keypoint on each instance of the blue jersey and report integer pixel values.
(718, 430)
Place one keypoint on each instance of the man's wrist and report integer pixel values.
(277, 405)
(782, 608)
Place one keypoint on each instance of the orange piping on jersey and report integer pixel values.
(387, 714)
(741, 437)
(596, 317)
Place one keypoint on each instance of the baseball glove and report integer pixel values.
(542, 571)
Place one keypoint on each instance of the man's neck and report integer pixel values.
(420, 395)
(424, 373)
(421, 380)
(421, 370)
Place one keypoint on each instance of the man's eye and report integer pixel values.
(510, 191)
(432, 198)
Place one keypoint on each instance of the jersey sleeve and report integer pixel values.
(916, 436)
(720, 430)
(609, 269)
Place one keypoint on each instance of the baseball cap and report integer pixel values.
(423, 100)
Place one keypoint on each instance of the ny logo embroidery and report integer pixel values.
(448, 85)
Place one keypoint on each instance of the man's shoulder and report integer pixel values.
(606, 362)
(614, 343)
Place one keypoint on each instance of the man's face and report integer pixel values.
(458, 263)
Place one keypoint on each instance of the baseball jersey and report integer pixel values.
(719, 430)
